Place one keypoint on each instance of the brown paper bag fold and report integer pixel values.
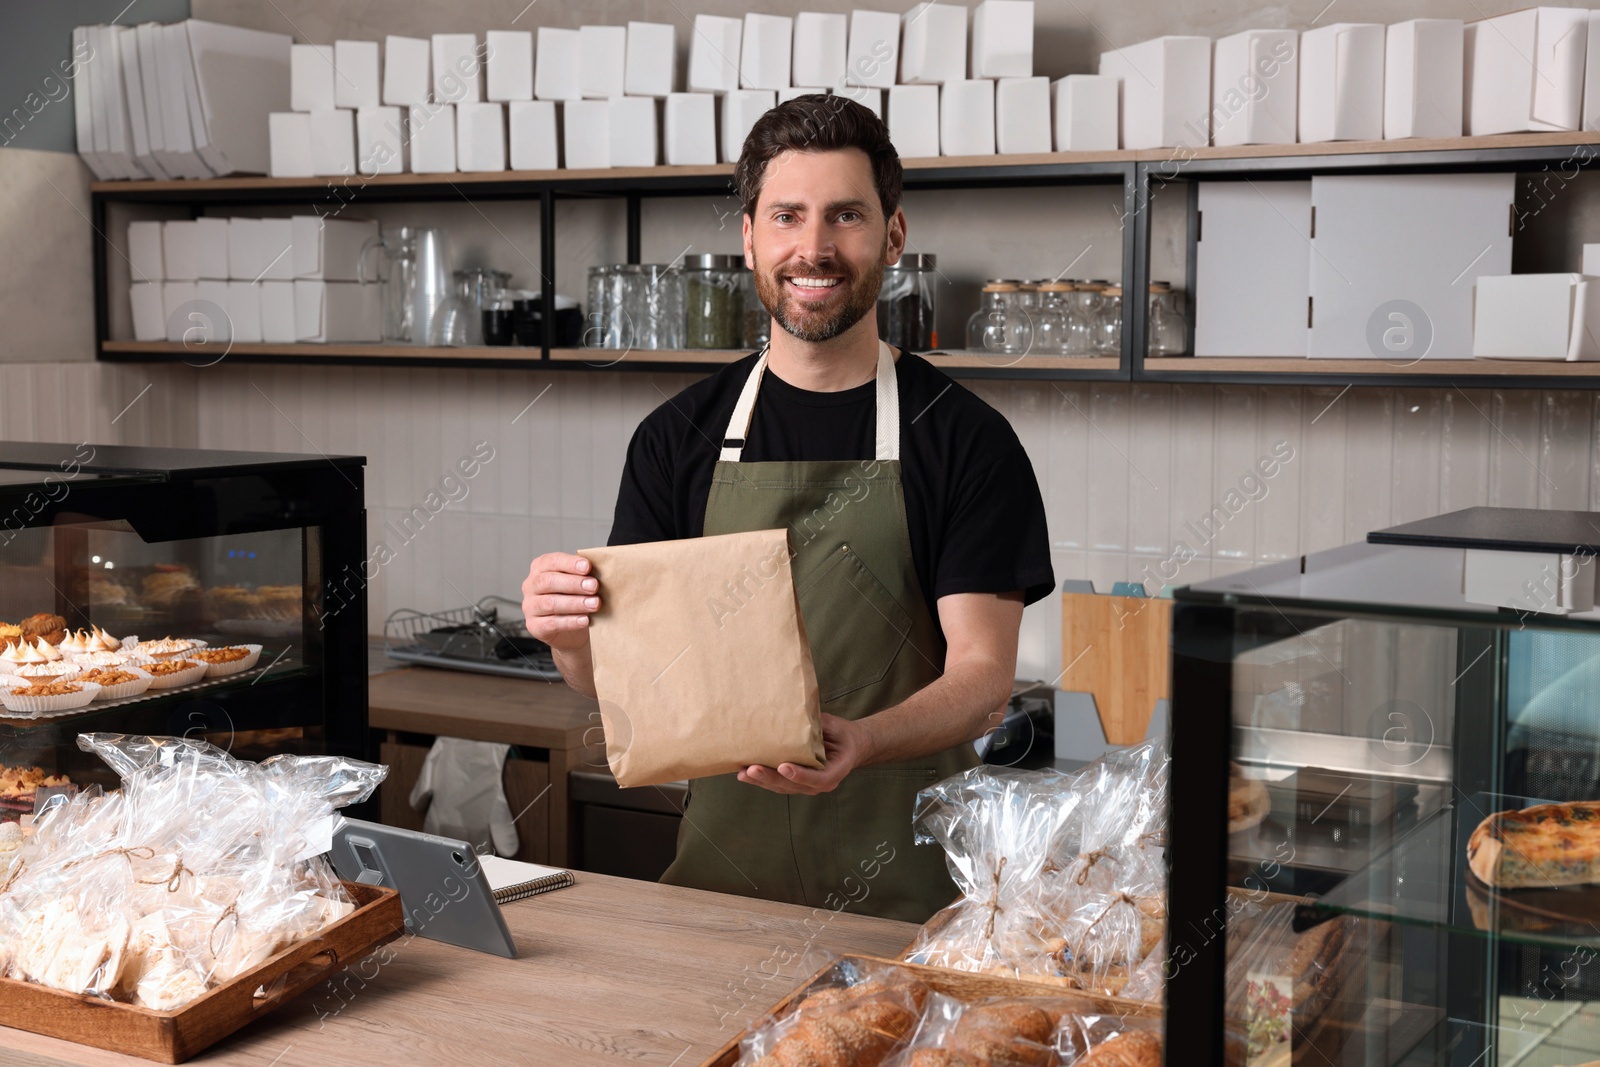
(701, 660)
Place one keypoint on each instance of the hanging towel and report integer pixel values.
(461, 786)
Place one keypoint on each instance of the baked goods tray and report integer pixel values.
(963, 985)
(176, 1036)
(150, 694)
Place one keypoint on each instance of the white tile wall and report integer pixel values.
(1131, 475)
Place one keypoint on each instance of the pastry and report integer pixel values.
(227, 654)
(75, 642)
(1542, 846)
(21, 782)
(1248, 802)
(10, 633)
(47, 688)
(107, 659)
(108, 592)
(167, 647)
(165, 588)
(1007, 1034)
(104, 642)
(857, 1026)
(1132, 1049)
(50, 627)
(162, 668)
(108, 676)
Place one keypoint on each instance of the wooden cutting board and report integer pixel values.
(1117, 648)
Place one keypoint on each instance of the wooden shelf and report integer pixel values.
(610, 357)
(957, 360)
(623, 176)
(1440, 368)
(203, 354)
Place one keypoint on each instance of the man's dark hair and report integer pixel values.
(818, 122)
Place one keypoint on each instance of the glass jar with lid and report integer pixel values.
(1051, 323)
(1108, 323)
(476, 289)
(599, 322)
(908, 303)
(1002, 325)
(1167, 331)
(714, 301)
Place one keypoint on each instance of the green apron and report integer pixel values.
(874, 643)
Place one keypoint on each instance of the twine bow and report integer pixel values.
(144, 852)
(172, 881)
(11, 879)
(231, 909)
(1089, 859)
(994, 901)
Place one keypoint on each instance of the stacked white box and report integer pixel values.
(277, 312)
(714, 54)
(966, 118)
(533, 135)
(586, 133)
(914, 120)
(740, 110)
(480, 137)
(329, 249)
(508, 65)
(457, 69)
(873, 55)
(275, 250)
(555, 72)
(1022, 115)
(1002, 39)
(1252, 269)
(433, 138)
(819, 49)
(871, 99)
(333, 141)
(381, 141)
(1165, 91)
(602, 61)
(311, 77)
(1341, 82)
(337, 312)
(652, 65)
(208, 320)
(1255, 88)
(244, 311)
(767, 51)
(933, 44)
(289, 144)
(1537, 316)
(1525, 71)
(210, 248)
(144, 252)
(691, 129)
(244, 238)
(1086, 113)
(355, 74)
(177, 302)
(1423, 79)
(149, 315)
(632, 121)
(180, 249)
(407, 70)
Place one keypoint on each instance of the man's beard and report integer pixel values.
(859, 299)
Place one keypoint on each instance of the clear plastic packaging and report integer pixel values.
(1015, 1031)
(198, 870)
(1084, 1040)
(854, 1010)
(1062, 876)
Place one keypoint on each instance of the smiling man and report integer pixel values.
(915, 523)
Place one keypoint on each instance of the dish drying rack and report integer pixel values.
(484, 637)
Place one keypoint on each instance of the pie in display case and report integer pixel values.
(1385, 831)
(176, 592)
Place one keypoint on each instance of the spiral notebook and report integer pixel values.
(513, 880)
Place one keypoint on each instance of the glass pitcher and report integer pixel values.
(396, 272)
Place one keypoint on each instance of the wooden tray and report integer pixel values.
(963, 985)
(175, 1036)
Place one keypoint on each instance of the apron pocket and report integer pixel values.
(855, 626)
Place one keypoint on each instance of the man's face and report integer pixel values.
(818, 242)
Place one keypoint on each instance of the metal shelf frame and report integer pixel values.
(1142, 176)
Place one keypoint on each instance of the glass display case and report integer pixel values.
(260, 552)
(1345, 729)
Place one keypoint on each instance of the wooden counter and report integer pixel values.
(558, 728)
(611, 971)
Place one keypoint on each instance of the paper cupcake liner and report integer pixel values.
(21, 704)
(184, 677)
(222, 670)
(125, 689)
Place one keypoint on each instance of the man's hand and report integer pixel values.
(844, 747)
(558, 596)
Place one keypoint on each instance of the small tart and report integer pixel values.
(226, 654)
(165, 667)
(58, 688)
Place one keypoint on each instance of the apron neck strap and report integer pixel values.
(887, 446)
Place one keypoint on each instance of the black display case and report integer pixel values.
(1342, 725)
(230, 548)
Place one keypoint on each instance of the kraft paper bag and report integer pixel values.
(701, 660)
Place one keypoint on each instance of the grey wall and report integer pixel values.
(35, 45)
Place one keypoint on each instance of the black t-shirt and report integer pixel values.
(973, 507)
